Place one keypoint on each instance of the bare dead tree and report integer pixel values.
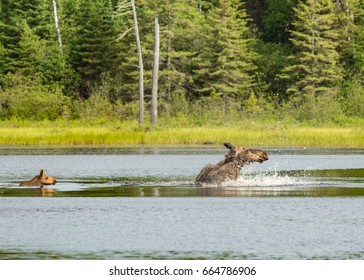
(154, 112)
(57, 25)
(141, 69)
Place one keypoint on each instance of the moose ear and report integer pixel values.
(41, 172)
(228, 145)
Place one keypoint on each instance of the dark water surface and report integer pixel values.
(112, 203)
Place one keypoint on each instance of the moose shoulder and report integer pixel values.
(229, 168)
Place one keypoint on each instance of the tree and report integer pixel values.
(2, 58)
(357, 42)
(271, 62)
(182, 29)
(351, 14)
(12, 14)
(140, 60)
(180, 39)
(277, 21)
(226, 61)
(316, 70)
(31, 51)
(58, 30)
(153, 110)
(92, 42)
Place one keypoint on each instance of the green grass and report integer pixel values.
(76, 133)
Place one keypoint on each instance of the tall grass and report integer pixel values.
(53, 133)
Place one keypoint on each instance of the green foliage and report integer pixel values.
(357, 46)
(95, 107)
(353, 99)
(14, 15)
(2, 58)
(277, 21)
(253, 107)
(233, 61)
(93, 48)
(271, 62)
(212, 110)
(225, 63)
(37, 57)
(316, 64)
(221, 62)
(318, 111)
(26, 98)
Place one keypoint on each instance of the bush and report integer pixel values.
(318, 110)
(353, 101)
(26, 98)
(97, 106)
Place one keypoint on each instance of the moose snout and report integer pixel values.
(264, 157)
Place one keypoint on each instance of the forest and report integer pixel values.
(221, 61)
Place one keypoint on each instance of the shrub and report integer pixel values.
(97, 106)
(26, 98)
(353, 102)
(319, 110)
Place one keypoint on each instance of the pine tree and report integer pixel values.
(357, 40)
(351, 14)
(31, 51)
(93, 46)
(277, 21)
(29, 42)
(316, 70)
(180, 36)
(40, 58)
(10, 33)
(2, 58)
(36, 13)
(181, 28)
(348, 12)
(226, 61)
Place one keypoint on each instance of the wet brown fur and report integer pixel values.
(40, 180)
(229, 168)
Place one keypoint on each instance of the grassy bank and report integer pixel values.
(54, 133)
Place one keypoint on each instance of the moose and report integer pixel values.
(40, 180)
(229, 168)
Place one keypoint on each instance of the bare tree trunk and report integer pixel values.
(141, 70)
(57, 25)
(154, 112)
(169, 60)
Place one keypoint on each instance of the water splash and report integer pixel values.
(268, 180)
(158, 183)
(271, 178)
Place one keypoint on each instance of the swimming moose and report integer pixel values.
(229, 168)
(40, 180)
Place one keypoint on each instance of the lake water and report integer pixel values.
(113, 203)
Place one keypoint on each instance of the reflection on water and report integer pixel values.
(112, 203)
